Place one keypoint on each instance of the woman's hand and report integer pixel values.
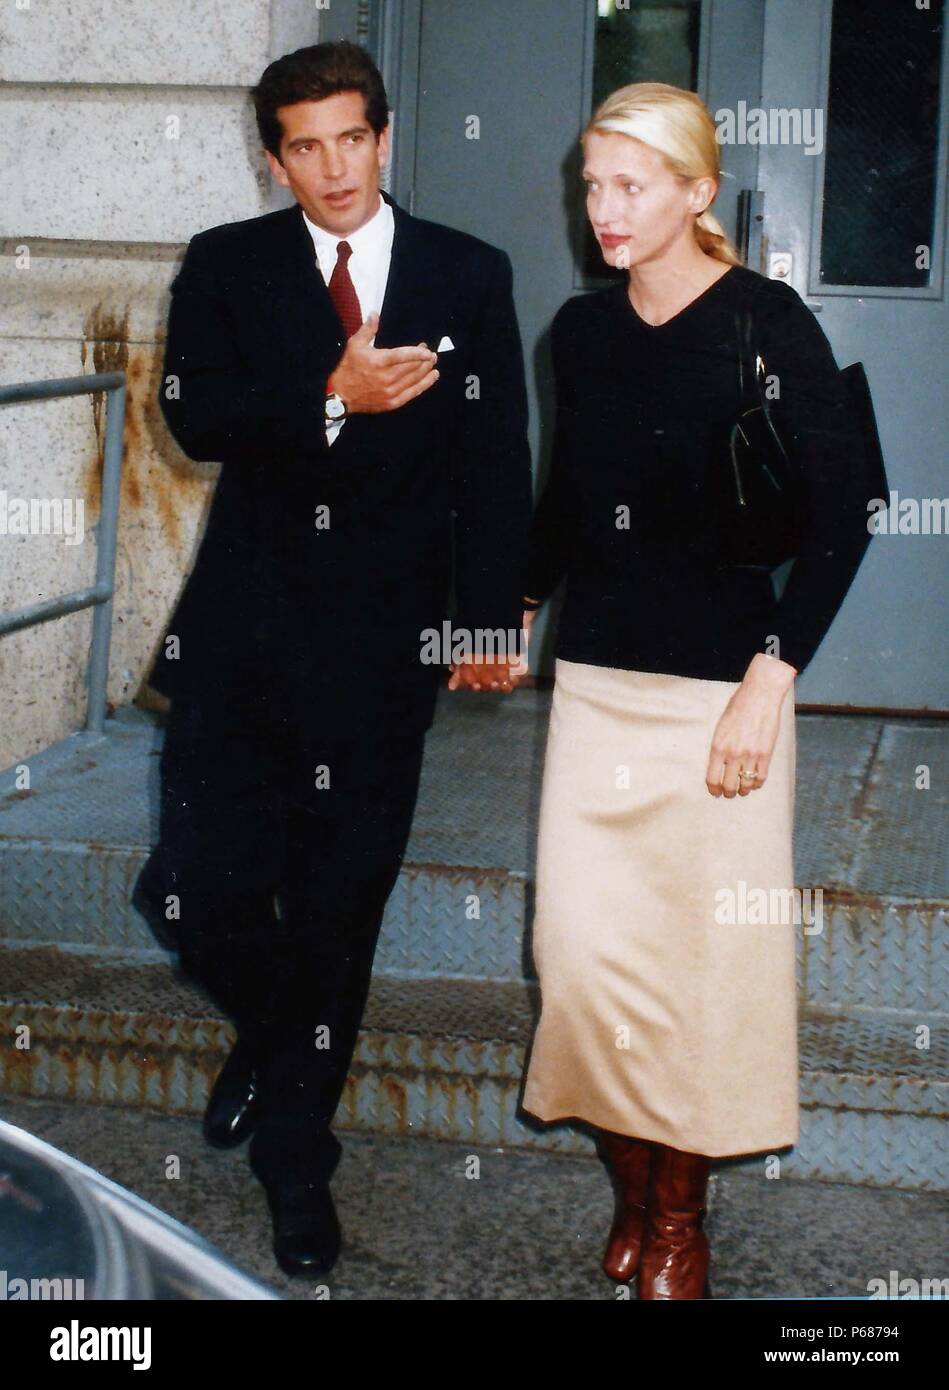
(745, 735)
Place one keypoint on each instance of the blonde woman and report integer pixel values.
(668, 1021)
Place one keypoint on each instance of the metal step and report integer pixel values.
(72, 844)
(443, 1045)
(444, 1059)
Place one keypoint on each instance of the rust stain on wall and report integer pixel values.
(106, 336)
(176, 487)
(156, 477)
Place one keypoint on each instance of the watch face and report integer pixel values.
(334, 408)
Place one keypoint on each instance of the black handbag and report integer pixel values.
(759, 492)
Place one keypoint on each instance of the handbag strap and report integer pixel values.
(742, 332)
(744, 322)
(744, 325)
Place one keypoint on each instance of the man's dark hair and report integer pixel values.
(310, 74)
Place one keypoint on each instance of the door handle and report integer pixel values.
(751, 227)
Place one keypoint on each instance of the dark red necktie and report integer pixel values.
(343, 293)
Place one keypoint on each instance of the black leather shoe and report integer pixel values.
(235, 1101)
(306, 1228)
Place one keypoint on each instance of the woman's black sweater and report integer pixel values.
(627, 513)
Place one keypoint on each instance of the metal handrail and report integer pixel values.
(98, 595)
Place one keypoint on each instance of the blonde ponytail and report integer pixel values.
(714, 240)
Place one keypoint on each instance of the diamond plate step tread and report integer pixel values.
(105, 792)
(74, 896)
(77, 982)
(875, 955)
(860, 824)
(834, 756)
(445, 1059)
(903, 849)
(88, 790)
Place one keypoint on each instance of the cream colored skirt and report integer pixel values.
(669, 1006)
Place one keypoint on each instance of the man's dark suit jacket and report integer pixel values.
(328, 622)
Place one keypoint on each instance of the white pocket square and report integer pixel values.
(446, 345)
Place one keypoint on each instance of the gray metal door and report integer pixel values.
(855, 225)
(489, 101)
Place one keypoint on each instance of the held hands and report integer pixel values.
(745, 735)
(478, 674)
(370, 380)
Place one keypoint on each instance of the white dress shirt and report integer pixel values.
(368, 265)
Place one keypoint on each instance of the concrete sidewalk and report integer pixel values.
(531, 1226)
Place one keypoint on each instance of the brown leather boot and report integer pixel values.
(675, 1253)
(628, 1161)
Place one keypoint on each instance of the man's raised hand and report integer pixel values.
(371, 380)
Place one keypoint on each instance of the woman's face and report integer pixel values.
(638, 209)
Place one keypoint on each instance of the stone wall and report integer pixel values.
(126, 128)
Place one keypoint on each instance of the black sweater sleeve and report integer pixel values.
(554, 529)
(812, 416)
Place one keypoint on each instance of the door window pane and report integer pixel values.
(881, 158)
(648, 42)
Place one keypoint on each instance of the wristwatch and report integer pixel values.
(334, 408)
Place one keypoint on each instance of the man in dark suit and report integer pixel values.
(349, 439)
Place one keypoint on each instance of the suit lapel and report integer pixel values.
(403, 271)
(415, 289)
(303, 312)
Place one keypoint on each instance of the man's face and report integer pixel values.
(330, 160)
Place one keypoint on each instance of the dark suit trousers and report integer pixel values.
(282, 846)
